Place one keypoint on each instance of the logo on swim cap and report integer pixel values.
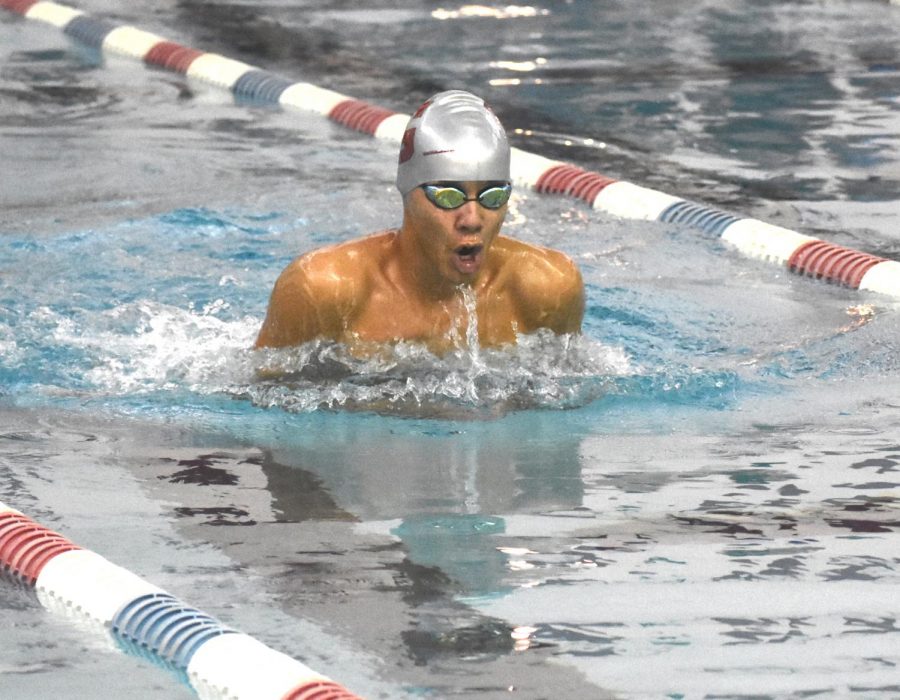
(407, 145)
(452, 136)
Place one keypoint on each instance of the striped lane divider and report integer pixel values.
(801, 254)
(144, 620)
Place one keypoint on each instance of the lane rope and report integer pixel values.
(215, 660)
(755, 239)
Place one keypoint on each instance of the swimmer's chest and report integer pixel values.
(393, 317)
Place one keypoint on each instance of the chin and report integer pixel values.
(459, 277)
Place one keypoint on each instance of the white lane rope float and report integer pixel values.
(800, 253)
(215, 660)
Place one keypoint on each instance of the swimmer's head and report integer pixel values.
(453, 136)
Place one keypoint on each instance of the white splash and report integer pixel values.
(147, 347)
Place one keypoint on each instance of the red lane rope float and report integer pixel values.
(320, 690)
(833, 263)
(359, 115)
(26, 546)
(173, 56)
(20, 6)
(573, 181)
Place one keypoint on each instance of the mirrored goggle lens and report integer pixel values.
(446, 197)
(494, 197)
(453, 197)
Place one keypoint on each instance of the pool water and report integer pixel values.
(698, 497)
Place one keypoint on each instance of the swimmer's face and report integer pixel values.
(456, 241)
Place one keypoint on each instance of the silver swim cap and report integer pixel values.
(453, 136)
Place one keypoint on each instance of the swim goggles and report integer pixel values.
(452, 197)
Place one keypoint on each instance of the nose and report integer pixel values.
(468, 218)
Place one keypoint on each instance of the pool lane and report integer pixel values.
(799, 253)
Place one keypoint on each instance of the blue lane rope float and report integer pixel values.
(801, 254)
(708, 220)
(146, 621)
(164, 629)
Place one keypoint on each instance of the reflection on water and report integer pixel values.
(392, 526)
(761, 557)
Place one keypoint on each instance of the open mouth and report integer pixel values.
(468, 251)
(468, 258)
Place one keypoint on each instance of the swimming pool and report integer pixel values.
(698, 498)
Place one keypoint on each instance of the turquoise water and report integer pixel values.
(696, 498)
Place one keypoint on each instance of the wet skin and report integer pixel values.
(408, 284)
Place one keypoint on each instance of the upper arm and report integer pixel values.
(306, 303)
(553, 293)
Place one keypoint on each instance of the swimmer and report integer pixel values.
(411, 284)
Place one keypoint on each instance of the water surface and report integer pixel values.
(699, 497)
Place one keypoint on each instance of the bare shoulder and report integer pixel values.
(548, 284)
(538, 268)
(339, 267)
(318, 291)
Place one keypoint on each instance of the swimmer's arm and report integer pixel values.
(566, 315)
(553, 294)
(304, 305)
